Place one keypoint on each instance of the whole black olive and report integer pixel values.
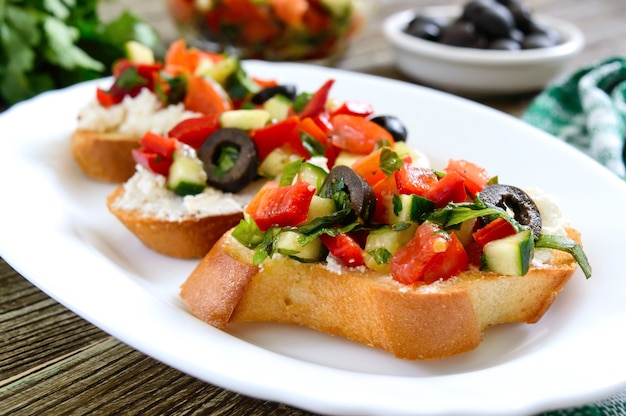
(362, 199)
(393, 125)
(505, 44)
(230, 159)
(265, 94)
(424, 27)
(460, 33)
(509, 197)
(472, 9)
(496, 21)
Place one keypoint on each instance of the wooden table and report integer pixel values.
(54, 362)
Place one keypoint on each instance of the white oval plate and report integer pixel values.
(57, 232)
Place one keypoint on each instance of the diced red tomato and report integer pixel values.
(354, 108)
(272, 136)
(283, 206)
(429, 256)
(495, 230)
(153, 161)
(206, 97)
(357, 134)
(194, 131)
(345, 248)
(450, 188)
(476, 178)
(323, 121)
(158, 144)
(414, 180)
(317, 103)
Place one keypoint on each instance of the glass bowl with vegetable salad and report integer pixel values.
(274, 30)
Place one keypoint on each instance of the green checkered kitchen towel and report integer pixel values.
(587, 110)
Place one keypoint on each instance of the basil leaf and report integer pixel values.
(389, 161)
(248, 233)
(290, 171)
(568, 245)
(380, 255)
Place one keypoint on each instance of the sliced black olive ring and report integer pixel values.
(362, 197)
(511, 198)
(244, 167)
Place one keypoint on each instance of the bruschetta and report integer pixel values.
(415, 261)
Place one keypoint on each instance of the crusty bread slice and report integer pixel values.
(189, 237)
(104, 156)
(412, 322)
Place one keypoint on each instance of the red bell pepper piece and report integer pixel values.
(108, 98)
(345, 248)
(495, 230)
(194, 131)
(450, 188)
(429, 256)
(283, 206)
(158, 144)
(317, 103)
(285, 132)
(203, 96)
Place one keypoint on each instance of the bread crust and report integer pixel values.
(414, 322)
(103, 156)
(188, 238)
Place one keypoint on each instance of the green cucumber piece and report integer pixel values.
(510, 255)
(346, 158)
(220, 71)
(278, 106)
(186, 175)
(320, 207)
(338, 8)
(382, 244)
(275, 162)
(245, 119)
(288, 244)
(410, 208)
(313, 174)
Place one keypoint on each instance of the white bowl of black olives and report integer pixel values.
(485, 47)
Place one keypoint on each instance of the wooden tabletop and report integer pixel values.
(54, 362)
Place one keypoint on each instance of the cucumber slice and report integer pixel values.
(510, 255)
(186, 175)
(274, 163)
(287, 244)
(409, 208)
(138, 52)
(320, 207)
(278, 106)
(382, 244)
(313, 174)
(245, 119)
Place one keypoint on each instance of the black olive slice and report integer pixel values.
(393, 125)
(509, 197)
(362, 197)
(237, 147)
(265, 94)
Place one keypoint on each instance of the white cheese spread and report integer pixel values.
(147, 193)
(552, 222)
(133, 116)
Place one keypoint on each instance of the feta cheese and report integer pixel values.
(133, 116)
(147, 193)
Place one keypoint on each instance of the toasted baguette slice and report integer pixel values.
(104, 156)
(412, 322)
